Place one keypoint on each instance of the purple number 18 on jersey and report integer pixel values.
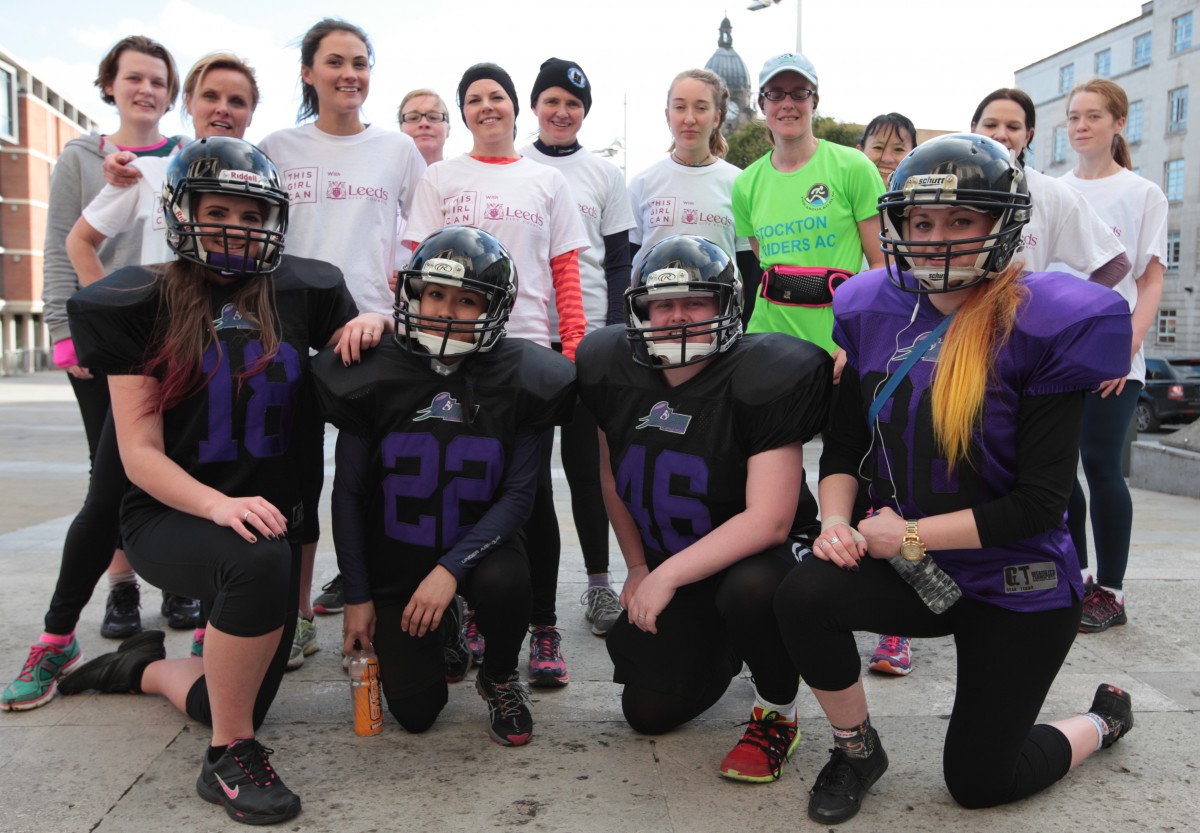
(268, 416)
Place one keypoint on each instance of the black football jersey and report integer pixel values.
(679, 453)
(233, 434)
(440, 444)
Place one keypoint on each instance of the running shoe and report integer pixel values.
(837, 794)
(181, 614)
(1114, 707)
(893, 655)
(1101, 611)
(547, 668)
(122, 618)
(331, 600)
(455, 651)
(763, 750)
(602, 607)
(304, 643)
(38, 680)
(475, 640)
(511, 722)
(118, 672)
(244, 781)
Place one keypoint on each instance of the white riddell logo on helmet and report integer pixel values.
(241, 176)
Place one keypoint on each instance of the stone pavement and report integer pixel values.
(125, 764)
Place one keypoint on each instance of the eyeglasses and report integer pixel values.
(795, 95)
(414, 117)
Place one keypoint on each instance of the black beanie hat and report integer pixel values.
(491, 72)
(565, 74)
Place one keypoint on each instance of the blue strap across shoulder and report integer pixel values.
(914, 356)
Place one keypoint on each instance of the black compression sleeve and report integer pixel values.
(848, 436)
(349, 507)
(617, 263)
(1047, 458)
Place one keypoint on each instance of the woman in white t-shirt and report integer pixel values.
(1063, 227)
(561, 100)
(1136, 211)
(346, 181)
(530, 209)
(691, 191)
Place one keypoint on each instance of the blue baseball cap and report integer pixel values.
(787, 62)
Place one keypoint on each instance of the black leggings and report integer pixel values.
(542, 541)
(994, 753)
(1105, 423)
(93, 534)
(412, 668)
(704, 634)
(580, 451)
(248, 589)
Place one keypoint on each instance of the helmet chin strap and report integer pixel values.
(443, 345)
(673, 352)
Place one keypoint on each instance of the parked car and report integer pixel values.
(1171, 394)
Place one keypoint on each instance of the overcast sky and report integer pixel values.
(929, 59)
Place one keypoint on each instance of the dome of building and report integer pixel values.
(728, 64)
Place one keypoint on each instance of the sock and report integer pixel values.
(599, 580)
(1120, 594)
(1102, 727)
(215, 753)
(857, 741)
(56, 640)
(120, 578)
(788, 712)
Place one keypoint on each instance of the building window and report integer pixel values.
(1181, 33)
(8, 103)
(1104, 63)
(1133, 122)
(1173, 249)
(1066, 78)
(1166, 326)
(1177, 106)
(1173, 180)
(1060, 144)
(1141, 50)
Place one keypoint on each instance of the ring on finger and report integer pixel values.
(246, 517)
(833, 540)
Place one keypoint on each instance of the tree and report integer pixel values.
(749, 142)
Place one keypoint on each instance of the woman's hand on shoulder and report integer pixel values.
(118, 171)
(359, 334)
(249, 515)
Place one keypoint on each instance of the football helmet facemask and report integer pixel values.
(680, 266)
(957, 170)
(224, 165)
(463, 257)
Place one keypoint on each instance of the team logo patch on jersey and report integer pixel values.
(818, 196)
(1025, 578)
(931, 355)
(444, 406)
(664, 419)
(232, 319)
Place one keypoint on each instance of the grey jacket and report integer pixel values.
(76, 180)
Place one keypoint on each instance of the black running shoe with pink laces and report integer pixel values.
(1115, 707)
(244, 781)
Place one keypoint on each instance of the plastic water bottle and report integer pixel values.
(364, 689)
(935, 588)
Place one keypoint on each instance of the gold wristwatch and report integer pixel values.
(911, 548)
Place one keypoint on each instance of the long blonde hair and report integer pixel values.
(967, 361)
(187, 330)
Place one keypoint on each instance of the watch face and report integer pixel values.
(911, 551)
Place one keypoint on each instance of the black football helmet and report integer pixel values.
(224, 165)
(676, 267)
(459, 256)
(963, 170)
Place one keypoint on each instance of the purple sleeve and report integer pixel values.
(505, 517)
(349, 507)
